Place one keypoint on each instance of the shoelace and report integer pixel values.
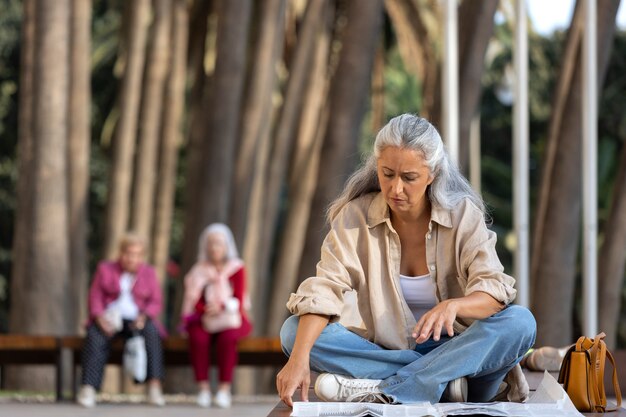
(352, 388)
(368, 397)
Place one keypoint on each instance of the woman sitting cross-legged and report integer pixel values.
(408, 235)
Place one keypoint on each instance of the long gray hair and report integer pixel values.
(410, 131)
(220, 229)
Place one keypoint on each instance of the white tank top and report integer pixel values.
(419, 293)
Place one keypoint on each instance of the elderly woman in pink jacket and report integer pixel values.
(124, 299)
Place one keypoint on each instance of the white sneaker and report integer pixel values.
(87, 396)
(155, 396)
(204, 398)
(223, 399)
(332, 387)
(456, 391)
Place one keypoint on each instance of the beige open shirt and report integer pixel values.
(362, 253)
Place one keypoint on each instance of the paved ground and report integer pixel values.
(242, 407)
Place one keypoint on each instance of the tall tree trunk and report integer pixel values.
(256, 121)
(475, 30)
(554, 265)
(347, 100)
(198, 108)
(174, 103)
(378, 89)
(268, 185)
(47, 284)
(569, 61)
(302, 184)
(198, 23)
(613, 256)
(417, 50)
(224, 110)
(78, 158)
(124, 141)
(22, 238)
(142, 208)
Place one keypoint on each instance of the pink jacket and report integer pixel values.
(105, 288)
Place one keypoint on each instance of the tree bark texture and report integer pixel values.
(555, 263)
(78, 158)
(418, 53)
(348, 93)
(22, 238)
(43, 294)
(301, 181)
(155, 73)
(224, 110)
(49, 287)
(171, 135)
(198, 108)
(257, 114)
(121, 169)
(259, 242)
(378, 89)
(612, 258)
(475, 31)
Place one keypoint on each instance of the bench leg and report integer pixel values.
(59, 375)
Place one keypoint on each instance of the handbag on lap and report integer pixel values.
(582, 375)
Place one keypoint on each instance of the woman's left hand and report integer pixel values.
(140, 322)
(432, 323)
(212, 309)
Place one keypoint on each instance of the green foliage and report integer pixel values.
(10, 18)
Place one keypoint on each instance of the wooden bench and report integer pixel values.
(31, 350)
(48, 350)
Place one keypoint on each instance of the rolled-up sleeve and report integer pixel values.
(323, 293)
(483, 267)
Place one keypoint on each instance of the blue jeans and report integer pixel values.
(483, 353)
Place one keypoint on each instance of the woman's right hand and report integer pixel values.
(295, 374)
(105, 325)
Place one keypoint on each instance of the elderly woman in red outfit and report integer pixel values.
(124, 298)
(214, 311)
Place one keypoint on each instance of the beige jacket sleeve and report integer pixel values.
(337, 271)
(480, 260)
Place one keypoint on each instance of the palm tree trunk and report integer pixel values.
(47, 284)
(198, 100)
(142, 208)
(475, 30)
(348, 92)
(256, 121)
(417, 52)
(224, 110)
(378, 89)
(301, 182)
(78, 157)
(117, 211)
(171, 135)
(264, 209)
(613, 256)
(555, 263)
(22, 238)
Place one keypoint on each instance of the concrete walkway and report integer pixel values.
(242, 407)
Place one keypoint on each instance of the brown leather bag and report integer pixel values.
(582, 375)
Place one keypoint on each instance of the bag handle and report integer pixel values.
(618, 393)
(597, 370)
(595, 378)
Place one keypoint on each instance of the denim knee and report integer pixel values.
(522, 323)
(288, 333)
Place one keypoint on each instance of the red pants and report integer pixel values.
(225, 344)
